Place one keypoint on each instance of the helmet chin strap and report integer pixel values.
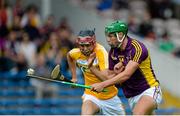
(120, 41)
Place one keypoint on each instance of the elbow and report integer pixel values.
(68, 55)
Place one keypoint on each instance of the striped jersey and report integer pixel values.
(144, 77)
(101, 62)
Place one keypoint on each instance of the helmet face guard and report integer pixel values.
(86, 41)
(115, 28)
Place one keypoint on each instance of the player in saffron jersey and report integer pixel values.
(130, 65)
(106, 103)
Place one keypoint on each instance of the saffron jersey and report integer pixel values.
(101, 62)
(144, 77)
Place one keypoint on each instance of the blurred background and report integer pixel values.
(38, 33)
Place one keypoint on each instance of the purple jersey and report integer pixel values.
(144, 77)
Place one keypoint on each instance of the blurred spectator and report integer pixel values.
(31, 17)
(28, 49)
(2, 45)
(133, 26)
(48, 27)
(5, 18)
(146, 28)
(7, 49)
(161, 8)
(33, 32)
(17, 9)
(51, 50)
(118, 7)
(12, 56)
(44, 89)
(66, 41)
(64, 24)
(165, 43)
(66, 44)
(31, 22)
(14, 52)
(12, 44)
(16, 26)
(104, 5)
(120, 4)
(177, 52)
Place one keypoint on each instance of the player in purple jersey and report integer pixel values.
(130, 66)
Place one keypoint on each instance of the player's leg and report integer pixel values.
(146, 102)
(145, 106)
(112, 106)
(89, 108)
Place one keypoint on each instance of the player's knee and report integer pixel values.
(138, 112)
(88, 112)
(142, 111)
(89, 108)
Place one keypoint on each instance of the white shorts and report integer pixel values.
(112, 106)
(154, 92)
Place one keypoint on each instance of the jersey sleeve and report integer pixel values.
(102, 57)
(110, 60)
(74, 53)
(139, 52)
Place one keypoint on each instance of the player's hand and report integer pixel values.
(97, 87)
(91, 59)
(74, 80)
(118, 68)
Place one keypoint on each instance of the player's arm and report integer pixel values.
(124, 75)
(102, 75)
(107, 74)
(138, 55)
(101, 72)
(118, 79)
(72, 66)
